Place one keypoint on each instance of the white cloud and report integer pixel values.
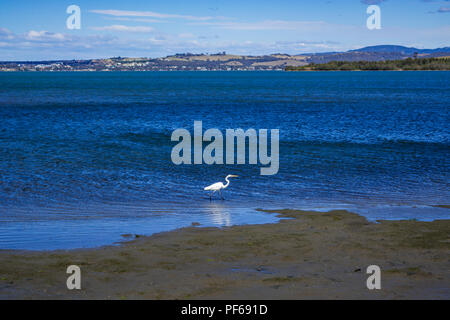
(136, 19)
(6, 34)
(43, 35)
(151, 14)
(119, 27)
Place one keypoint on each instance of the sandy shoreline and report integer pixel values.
(312, 255)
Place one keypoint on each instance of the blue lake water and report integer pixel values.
(85, 157)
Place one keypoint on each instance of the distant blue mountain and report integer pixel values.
(400, 49)
(378, 53)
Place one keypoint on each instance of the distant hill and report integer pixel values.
(379, 53)
(400, 49)
(224, 61)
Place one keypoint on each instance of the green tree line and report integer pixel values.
(405, 64)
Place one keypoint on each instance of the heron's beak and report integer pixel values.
(234, 176)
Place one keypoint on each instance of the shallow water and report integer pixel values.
(85, 157)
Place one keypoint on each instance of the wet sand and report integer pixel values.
(308, 256)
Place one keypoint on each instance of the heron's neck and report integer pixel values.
(228, 182)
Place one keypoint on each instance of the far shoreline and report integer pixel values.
(208, 71)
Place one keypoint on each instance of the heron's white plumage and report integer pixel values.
(215, 186)
(218, 186)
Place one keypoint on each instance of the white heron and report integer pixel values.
(218, 186)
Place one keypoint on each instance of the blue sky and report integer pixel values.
(36, 30)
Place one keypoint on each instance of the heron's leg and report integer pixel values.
(220, 191)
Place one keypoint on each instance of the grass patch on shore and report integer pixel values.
(395, 65)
